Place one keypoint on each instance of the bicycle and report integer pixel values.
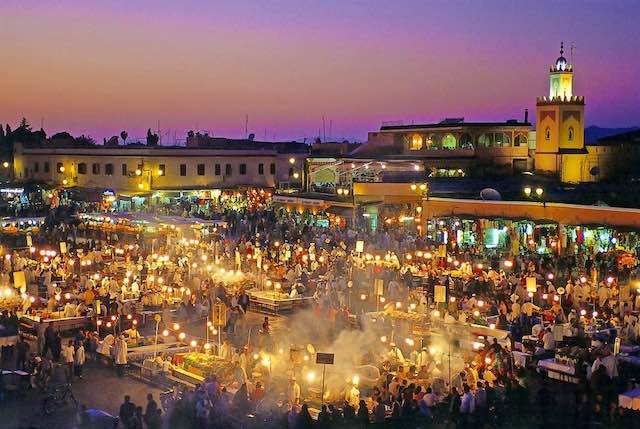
(57, 398)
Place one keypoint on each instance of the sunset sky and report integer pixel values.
(100, 67)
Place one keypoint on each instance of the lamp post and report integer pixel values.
(534, 193)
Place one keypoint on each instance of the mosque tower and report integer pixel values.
(560, 148)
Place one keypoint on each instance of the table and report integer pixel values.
(521, 359)
(559, 371)
(630, 399)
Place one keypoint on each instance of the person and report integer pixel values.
(127, 411)
(241, 399)
(68, 354)
(49, 339)
(348, 411)
(293, 392)
(151, 410)
(363, 414)
(121, 355)
(79, 360)
(304, 420)
(257, 395)
(548, 342)
(292, 416)
(379, 411)
(155, 420)
(22, 351)
(481, 402)
(454, 405)
(56, 348)
(136, 422)
(324, 420)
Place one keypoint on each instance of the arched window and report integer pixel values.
(449, 142)
(416, 142)
(520, 141)
(485, 140)
(428, 143)
(466, 141)
(502, 140)
(547, 134)
(570, 134)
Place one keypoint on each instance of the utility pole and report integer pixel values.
(246, 126)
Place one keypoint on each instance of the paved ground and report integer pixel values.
(99, 388)
(102, 389)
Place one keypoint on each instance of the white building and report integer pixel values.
(140, 168)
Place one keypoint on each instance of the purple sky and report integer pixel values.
(100, 67)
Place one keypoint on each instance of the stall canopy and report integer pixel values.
(566, 214)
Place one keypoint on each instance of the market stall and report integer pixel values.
(276, 302)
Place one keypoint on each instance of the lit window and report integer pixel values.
(416, 142)
(449, 142)
(485, 140)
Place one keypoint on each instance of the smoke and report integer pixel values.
(358, 353)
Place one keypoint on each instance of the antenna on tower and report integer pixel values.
(324, 130)
(246, 126)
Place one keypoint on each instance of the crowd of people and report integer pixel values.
(113, 277)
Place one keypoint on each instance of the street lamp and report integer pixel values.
(5, 164)
(61, 169)
(292, 160)
(538, 193)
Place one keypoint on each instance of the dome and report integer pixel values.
(561, 63)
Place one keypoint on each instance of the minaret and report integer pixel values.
(560, 125)
(561, 77)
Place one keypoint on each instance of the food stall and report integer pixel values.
(193, 367)
(276, 302)
(34, 323)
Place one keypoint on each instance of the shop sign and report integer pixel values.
(325, 358)
(440, 293)
(360, 246)
(532, 285)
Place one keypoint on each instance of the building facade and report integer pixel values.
(138, 168)
(455, 147)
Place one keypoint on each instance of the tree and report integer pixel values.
(85, 141)
(152, 139)
(1, 132)
(25, 124)
(63, 135)
(8, 130)
(123, 136)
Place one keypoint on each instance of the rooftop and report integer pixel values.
(455, 122)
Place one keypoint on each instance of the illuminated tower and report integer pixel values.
(560, 146)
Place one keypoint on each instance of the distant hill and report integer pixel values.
(593, 132)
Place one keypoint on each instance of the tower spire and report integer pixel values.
(562, 48)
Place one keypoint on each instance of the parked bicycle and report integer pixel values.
(58, 397)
